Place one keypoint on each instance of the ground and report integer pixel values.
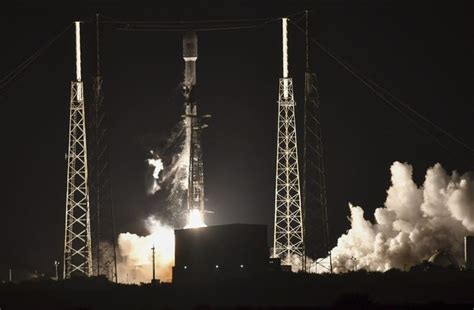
(356, 290)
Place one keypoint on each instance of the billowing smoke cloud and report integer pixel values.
(136, 252)
(415, 222)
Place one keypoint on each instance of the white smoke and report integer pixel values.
(175, 177)
(157, 164)
(415, 222)
(178, 171)
(136, 252)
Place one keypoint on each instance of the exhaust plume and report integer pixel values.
(136, 264)
(415, 222)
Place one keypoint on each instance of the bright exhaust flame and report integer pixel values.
(195, 219)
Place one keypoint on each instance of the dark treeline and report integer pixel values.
(356, 290)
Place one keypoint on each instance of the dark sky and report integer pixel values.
(420, 52)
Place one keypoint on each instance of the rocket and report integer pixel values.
(190, 54)
(194, 127)
(193, 133)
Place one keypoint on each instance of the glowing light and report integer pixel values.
(158, 166)
(137, 256)
(285, 47)
(78, 50)
(195, 219)
(285, 56)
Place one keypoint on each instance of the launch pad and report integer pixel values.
(228, 250)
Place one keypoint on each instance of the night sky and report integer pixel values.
(420, 52)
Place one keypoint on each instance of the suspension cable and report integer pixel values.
(21, 67)
(385, 95)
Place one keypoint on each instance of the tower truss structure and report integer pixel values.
(315, 205)
(77, 240)
(288, 226)
(316, 226)
(103, 226)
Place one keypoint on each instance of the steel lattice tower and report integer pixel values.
(288, 227)
(316, 226)
(103, 226)
(77, 239)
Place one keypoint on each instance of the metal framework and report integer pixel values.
(105, 261)
(314, 184)
(316, 226)
(196, 169)
(77, 240)
(288, 225)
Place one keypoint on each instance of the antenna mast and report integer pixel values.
(153, 253)
(288, 227)
(316, 227)
(77, 239)
(100, 184)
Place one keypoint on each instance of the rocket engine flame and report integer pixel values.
(195, 219)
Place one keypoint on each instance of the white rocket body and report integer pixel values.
(190, 54)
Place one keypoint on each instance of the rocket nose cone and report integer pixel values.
(190, 45)
(190, 36)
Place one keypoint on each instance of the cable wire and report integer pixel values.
(185, 29)
(380, 91)
(20, 68)
(196, 25)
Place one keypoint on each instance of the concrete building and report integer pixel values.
(222, 252)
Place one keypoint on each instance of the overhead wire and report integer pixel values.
(196, 25)
(384, 94)
(112, 20)
(22, 66)
(424, 118)
(174, 26)
(185, 29)
(158, 22)
(168, 26)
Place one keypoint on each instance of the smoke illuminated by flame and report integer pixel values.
(135, 251)
(157, 165)
(136, 265)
